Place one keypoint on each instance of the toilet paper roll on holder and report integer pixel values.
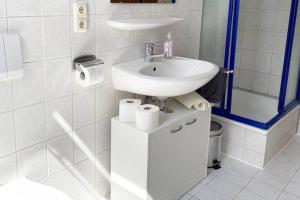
(86, 61)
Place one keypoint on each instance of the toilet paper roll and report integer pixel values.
(127, 109)
(147, 117)
(87, 76)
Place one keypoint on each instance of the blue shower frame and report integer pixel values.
(229, 63)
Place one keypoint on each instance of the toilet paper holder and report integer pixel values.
(86, 61)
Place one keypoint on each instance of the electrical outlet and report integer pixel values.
(80, 14)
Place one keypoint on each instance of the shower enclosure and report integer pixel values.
(259, 41)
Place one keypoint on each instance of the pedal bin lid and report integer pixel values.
(215, 129)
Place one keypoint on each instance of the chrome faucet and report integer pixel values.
(149, 52)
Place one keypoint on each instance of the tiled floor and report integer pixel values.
(279, 180)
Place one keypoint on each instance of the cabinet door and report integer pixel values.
(194, 146)
(165, 162)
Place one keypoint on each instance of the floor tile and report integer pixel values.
(239, 167)
(224, 187)
(287, 196)
(209, 194)
(293, 188)
(247, 195)
(234, 177)
(196, 189)
(296, 177)
(263, 189)
(186, 197)
(272, 179)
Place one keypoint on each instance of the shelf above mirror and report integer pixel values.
(143, 24)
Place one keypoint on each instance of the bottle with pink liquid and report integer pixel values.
(168, 46)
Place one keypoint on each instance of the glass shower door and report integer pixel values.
(214, 32)
(292, 84)
(261, 43)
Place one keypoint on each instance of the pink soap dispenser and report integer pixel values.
(168, 46)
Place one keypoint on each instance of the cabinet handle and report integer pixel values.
(177, 130)
(192, 122)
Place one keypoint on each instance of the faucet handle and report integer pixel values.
(149, 47)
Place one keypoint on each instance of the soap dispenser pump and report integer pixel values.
(168, 46)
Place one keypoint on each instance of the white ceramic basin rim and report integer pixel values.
(164, 77)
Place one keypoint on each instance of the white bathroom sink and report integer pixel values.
(164, 77)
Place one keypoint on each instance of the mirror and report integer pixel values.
(143, 1)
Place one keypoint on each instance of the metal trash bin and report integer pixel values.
(215, 138)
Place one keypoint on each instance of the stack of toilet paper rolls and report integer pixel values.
(145, 117)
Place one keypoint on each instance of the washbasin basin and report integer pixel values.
(164, 77)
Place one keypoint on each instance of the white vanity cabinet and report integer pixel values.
(162, 164)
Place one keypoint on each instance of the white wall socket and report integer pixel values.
(80, 9)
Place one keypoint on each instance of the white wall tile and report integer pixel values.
(279, 45)
(30, 31)
(284, 5)
(197, 5)
(84, 108)
(104, 96)
(142, 37)
(7, 135)
(58, 78)
(8, 169)
(62, 107)
(29, 130)
(62, 181)
(252, 17)
(3, 25)
(234, 134)
(277, 64)
(250, 40)
(85, 136)
(84, 42)
(269, 4)
(29, 89)
(195, 23)
(55, 7)
(282, 21)
(102, 135)
(24, 8)
(109, 38)
(255, 141)
(266, 41)
(248, 59)
(274, 85)
(57, 42)
(60, 153)
(268, 20)
(231, 149)
(32, 162)
(5, 96)
(84, 181)
(253, 158)
(261, 82)
(246, 79)
(263, 62)
(2, 8)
